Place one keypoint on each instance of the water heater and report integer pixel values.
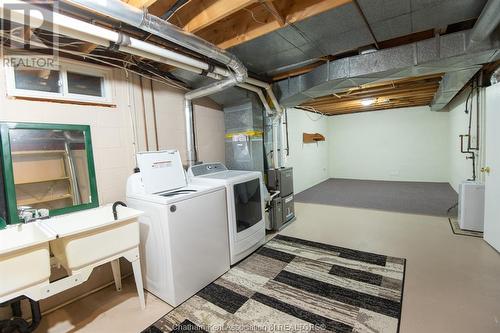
(471, 206)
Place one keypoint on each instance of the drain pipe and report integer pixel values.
(277, 122)
(486, 23)
(192, 156)
(258, 91)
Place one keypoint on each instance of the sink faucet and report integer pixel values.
(26, 214)
(115, 213)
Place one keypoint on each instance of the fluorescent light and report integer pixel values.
(367, 102)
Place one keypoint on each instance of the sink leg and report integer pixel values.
(136, 266)
(115, 267)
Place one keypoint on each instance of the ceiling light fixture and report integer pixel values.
(368, 102)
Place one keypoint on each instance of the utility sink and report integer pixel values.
(91, 236)
(24, 257)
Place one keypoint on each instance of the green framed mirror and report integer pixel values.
(47, 166)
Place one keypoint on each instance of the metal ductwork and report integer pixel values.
(486, 23)
(446, 53)
(213, 88)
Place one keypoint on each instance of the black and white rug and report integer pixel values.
(296, 285)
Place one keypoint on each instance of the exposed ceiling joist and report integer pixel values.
(257, 20)
(203, 13)
(141, 3)
(87, 47)
(415, 91)
(271, 8)
(298, 71)
(161, 7)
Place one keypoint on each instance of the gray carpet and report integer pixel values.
(405, 197)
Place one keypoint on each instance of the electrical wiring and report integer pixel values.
(311, 109)
(86, 55)
(253, 16)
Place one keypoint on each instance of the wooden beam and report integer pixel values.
(203, 13)
(256, 21)
(377, 108)
(297, 71)
(27, 34)
(141, 3)
(155, 7)
(380, 102)
(271, 8)
(87, 47)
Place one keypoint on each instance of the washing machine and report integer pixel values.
(183, 232)
(245, 205)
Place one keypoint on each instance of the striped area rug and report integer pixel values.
(296, 285)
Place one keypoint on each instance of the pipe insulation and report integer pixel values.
(81, 30)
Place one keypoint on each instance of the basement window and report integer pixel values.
(83, 84)
(69, 82)
(43, 80)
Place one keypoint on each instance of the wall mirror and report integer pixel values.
(47, 166)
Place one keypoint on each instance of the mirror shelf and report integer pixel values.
(46, 167)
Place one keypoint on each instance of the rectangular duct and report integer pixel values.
(446, 53)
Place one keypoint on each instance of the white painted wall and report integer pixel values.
(309, 160)
(409, 144)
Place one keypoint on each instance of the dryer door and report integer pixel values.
(247, 203)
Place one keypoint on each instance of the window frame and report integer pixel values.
(64, 94)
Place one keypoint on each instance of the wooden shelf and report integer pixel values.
(38, 152)
(312, 137)
(28, 202)
(43, 181)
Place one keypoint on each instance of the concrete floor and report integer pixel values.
(452, 282)
(106, 311)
